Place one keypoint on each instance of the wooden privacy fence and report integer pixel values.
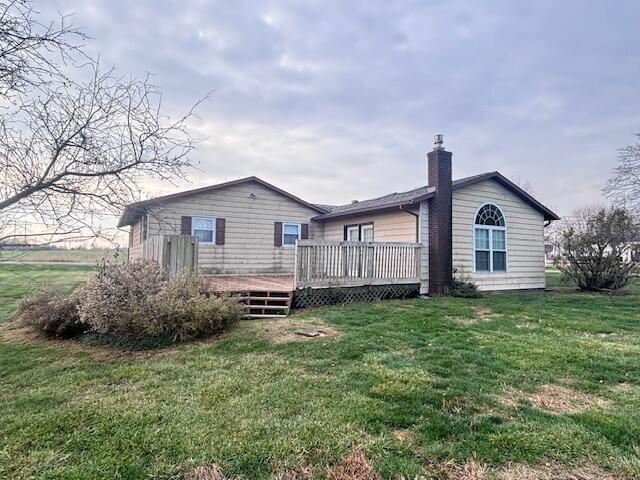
(337, 264)
(176, 253)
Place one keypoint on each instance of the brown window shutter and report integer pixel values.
(220, 230)
(185, 225)
(131, 236)
(304, 231)
(277, 234)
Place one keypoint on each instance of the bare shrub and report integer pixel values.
(120, 300)
(136, 301)
(188, 310)
(596, 246)
(51, 313)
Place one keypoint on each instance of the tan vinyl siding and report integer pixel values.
(250, 210)
(393, 226)
(135, 249)
(525, 238)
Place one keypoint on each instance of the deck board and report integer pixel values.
(251, 283)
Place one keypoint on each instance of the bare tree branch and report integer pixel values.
(75, 150)
(623, 188)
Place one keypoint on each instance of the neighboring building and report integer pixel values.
(484, 227)
(632, 253)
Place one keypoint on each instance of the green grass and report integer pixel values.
(69, 411)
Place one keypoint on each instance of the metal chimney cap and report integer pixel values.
(438, 139)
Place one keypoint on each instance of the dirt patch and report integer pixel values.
(556, 399)
(555, 471)
(355, 466)
(283, 330)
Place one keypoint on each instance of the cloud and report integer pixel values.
(339, 100)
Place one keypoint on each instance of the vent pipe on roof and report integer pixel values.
(438, 140)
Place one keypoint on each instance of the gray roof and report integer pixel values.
(416, 195)
(406, 199)
(389, 200)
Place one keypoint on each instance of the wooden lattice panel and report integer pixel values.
(316, 297)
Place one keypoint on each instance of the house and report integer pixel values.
(484, 228)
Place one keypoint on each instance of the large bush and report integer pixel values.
(51, 313)
(136, 301)
(120, 299)
(595, 246)
(188, 310)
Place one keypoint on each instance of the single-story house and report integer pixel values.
(484, 228)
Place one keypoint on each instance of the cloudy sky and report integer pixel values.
(335, 101)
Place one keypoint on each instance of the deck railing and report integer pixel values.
(339, 264)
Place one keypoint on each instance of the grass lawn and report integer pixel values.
(93, 255)
(518, 382)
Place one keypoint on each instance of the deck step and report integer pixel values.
(253, 306)
(266, 304)
(270, 299)
(263, 315)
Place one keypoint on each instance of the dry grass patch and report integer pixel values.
(404, 435)
(355, 466)
(471, 470)
(206, 472)
(555, 471)
(556, 399)
(283, 330)
(482, 314)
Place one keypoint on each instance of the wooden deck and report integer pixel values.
(251, 283)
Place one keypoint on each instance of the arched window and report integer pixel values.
(490, 240)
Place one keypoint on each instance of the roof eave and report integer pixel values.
(378, 208)
(124, 221)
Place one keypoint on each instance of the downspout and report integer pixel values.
(417, 222)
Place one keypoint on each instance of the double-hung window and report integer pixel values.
(291, 232)
(205, 229)
(490, 240)
(359, 232)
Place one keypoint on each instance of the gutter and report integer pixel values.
(417, 215)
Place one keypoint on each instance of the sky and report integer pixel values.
(334, 101)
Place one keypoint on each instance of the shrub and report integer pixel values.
(596, 246)
(188, 310)
(51, 313)
(135, 301)
(465, 289)
(120, 299)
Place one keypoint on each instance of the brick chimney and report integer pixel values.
(440, 220)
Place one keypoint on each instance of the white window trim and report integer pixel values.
(367, 226)
(215, 224)
(491, 229)
(296, 224)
